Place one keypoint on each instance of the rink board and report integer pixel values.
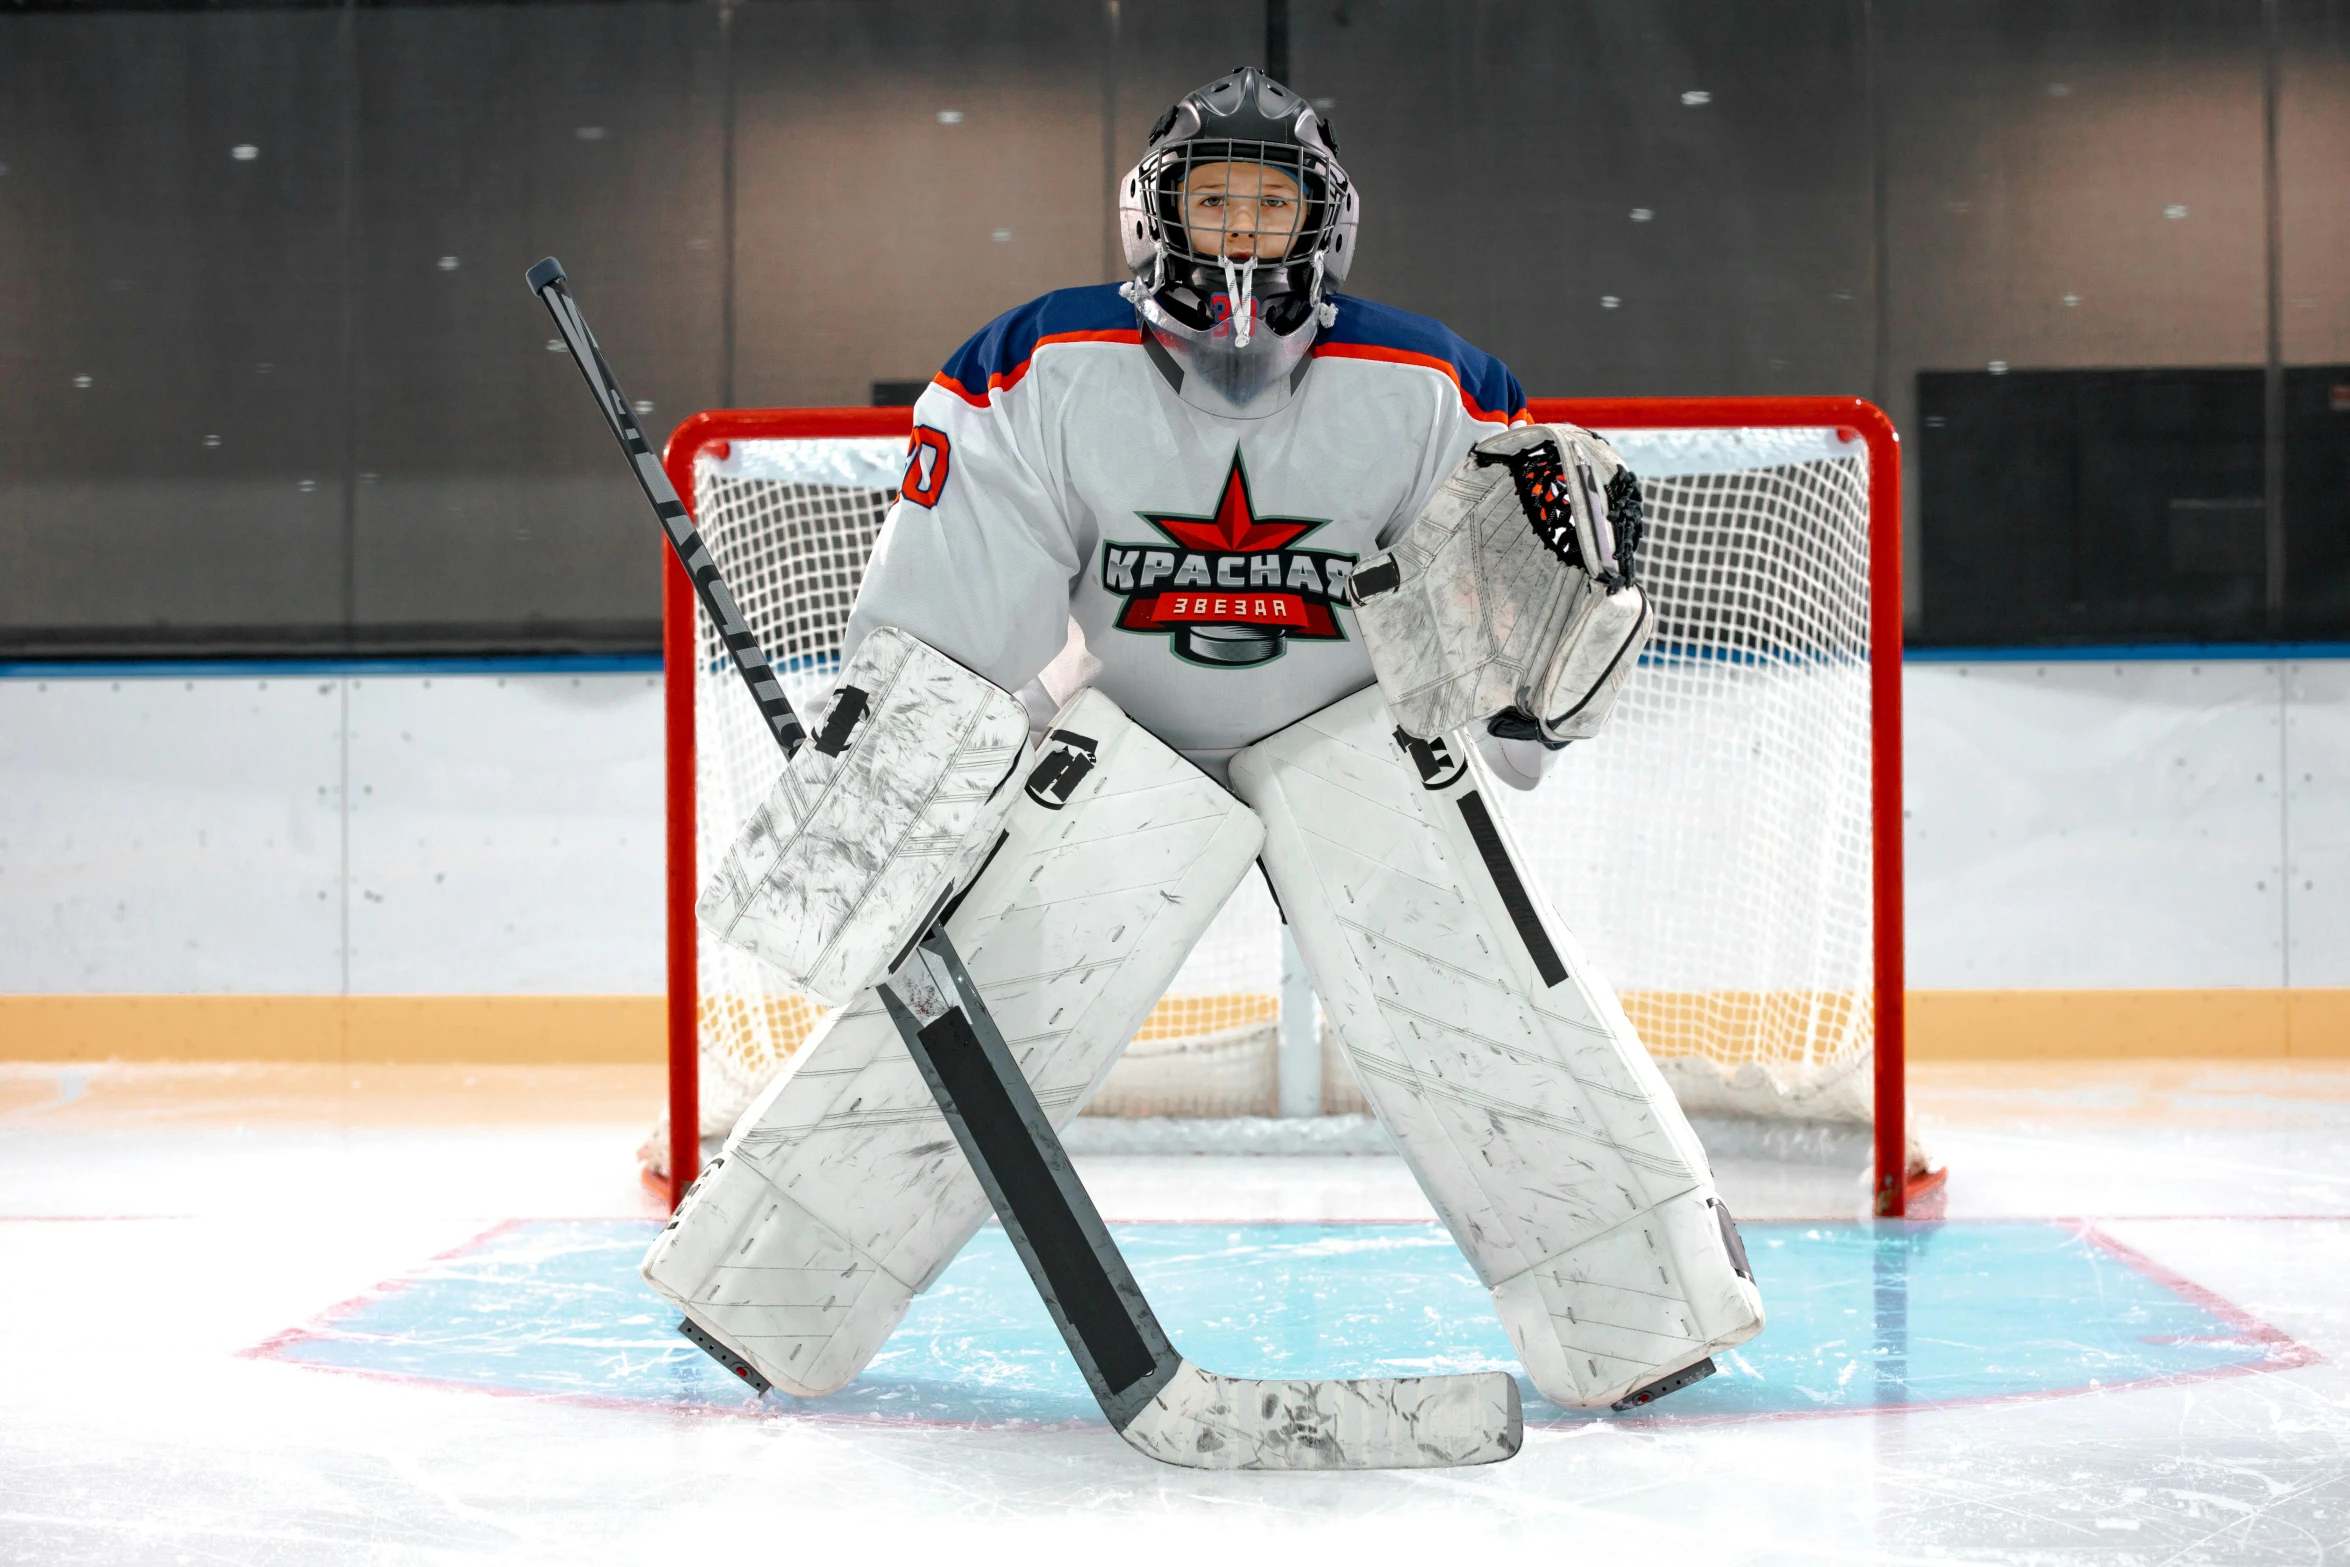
(1863, 1317)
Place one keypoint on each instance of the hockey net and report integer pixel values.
(1716, 851)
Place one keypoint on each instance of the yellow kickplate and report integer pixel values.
(2012, 1025)
(524, 1029)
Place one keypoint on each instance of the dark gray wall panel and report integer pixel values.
(873, 237)
(2101, 505)
(302, 431)
(2317, 502)
(492, 506)
(2313, 168)
(171, 390)
(1502, 149)
(1165, 48)
(2032, 152)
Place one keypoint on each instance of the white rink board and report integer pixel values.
(171, 835)
(189, 836)
(2092, 825)
(2317, 807)
(506, 834)
(2071, 825)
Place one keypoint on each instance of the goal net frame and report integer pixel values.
(1853, 419)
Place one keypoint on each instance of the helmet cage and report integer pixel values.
(1191, 269)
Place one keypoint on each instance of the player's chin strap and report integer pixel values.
(1240, 287)
(1139, 288)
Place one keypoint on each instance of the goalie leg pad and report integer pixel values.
(874, 822)
(1501, 1064)
(842, 1193)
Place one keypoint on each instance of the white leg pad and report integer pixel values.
(1501, 1064)
(842, 1193)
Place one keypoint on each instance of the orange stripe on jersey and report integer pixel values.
(1004, 381)
(1443, 367)
(957, 387)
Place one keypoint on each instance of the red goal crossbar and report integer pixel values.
(1854, 418)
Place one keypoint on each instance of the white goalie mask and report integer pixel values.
(1238, 224)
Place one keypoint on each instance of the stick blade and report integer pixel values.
(1200, 1420)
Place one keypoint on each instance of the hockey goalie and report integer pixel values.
(1218, 567)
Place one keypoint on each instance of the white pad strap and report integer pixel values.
(874, 822)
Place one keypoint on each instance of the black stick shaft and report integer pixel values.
(546, 281)
(1087, 1287)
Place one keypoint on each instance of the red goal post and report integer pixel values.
(1853, 420)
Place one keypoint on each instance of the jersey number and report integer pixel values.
(920, 489)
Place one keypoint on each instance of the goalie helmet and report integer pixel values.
(1237, 223)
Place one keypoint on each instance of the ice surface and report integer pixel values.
(134, 1427)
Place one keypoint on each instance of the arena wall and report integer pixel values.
(2108, 856)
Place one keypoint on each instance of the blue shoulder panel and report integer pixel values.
(1485, 382)
(999, 354)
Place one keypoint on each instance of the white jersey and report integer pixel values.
(1063, 506)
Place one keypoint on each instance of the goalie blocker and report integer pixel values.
(874, 823)
(1500, 1063)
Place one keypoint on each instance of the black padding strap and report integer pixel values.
(1515, 723)
(1732, 1242)
(1512, 888)
(947, 900)
(847, 707)
(956, 902)
(1369, 584)
(1056, 778)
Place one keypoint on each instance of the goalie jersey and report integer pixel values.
(1063, 507)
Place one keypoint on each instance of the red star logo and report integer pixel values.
(1236, 526)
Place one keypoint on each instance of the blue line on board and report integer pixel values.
(650, 663)
(333, 668)
(2130, 653)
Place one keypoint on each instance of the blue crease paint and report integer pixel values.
(1862, 1317)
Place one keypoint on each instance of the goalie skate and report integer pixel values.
(841, 1193)
(1499, 1062)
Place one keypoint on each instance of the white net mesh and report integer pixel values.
(1711, 851)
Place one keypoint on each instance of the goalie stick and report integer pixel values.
(1159, 1402)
